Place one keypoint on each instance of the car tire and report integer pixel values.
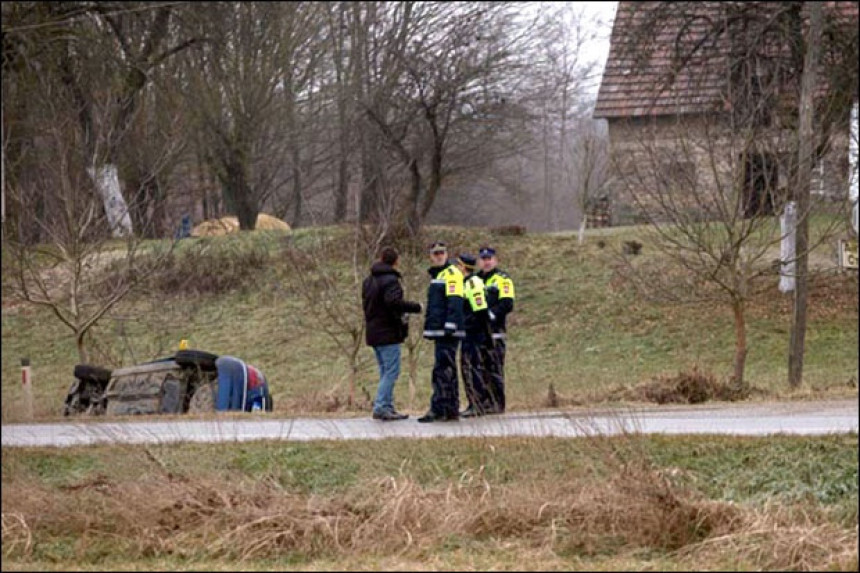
(196, 359)
(203, 399)
(83, 397)
(96, 374)
(73, 406)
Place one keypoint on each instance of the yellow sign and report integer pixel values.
(848, 254)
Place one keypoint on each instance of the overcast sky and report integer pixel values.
(603, 14)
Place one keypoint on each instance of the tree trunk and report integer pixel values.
(239, 196)
(342, 188)
(803, 182)
(83, 354)
(368, 202)
(740, 342)
(413, 220)
(298, 207)
(106, 181)
(583, 221)
(435, 180)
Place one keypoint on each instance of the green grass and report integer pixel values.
(576, 326)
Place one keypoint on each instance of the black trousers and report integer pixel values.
(474, 359)
(495, 374)
(445, 400)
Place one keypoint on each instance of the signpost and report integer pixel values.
(848, 254)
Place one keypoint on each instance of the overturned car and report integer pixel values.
(189, 381)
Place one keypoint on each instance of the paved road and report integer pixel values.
(755, 419)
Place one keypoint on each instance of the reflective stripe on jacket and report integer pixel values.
(500, 298)
(444, 314)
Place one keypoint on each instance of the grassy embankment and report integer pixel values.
(625, 503)
(630, 502)
(577, 325)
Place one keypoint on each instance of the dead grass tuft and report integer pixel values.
(766, 544)
(688, 387)
(17, 536)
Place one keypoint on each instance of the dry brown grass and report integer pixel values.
(692, 386)
(689, 386)
(165, 516)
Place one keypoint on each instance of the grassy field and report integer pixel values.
(623, 503)
(577, 327)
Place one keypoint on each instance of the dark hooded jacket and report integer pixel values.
(384, 307)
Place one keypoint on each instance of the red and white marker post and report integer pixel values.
(27, 388)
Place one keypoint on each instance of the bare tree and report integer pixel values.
(450, 83)
(709, 183)
(245, 89)
(101, 57)
(77, 273)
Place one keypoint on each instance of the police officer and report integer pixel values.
(443, 323)
(500, 298)
(474, 352)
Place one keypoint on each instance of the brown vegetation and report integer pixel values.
(638, 507)
(688, 387)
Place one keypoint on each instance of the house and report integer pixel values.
(705, 95)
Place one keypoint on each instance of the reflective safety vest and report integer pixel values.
(474, 305)
(444, 314)
(500, 298)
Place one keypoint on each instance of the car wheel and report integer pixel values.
(73, 405)
(196, 359)
(203, 399)
(96, 374)
(77, 398)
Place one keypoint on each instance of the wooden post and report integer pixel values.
(27, 388)
(804, 175)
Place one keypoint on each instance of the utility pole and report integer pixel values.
(806, 145)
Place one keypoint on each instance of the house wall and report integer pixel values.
(694, 159)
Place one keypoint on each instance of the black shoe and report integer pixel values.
(493, 410)
(431, 416)
(470, 412)
(388, 416)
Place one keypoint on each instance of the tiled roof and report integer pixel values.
(643, 76)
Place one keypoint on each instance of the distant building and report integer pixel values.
(688, 65)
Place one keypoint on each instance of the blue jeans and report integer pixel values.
(233, 393)
(231, 383)
(388, 359)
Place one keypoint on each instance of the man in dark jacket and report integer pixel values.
(386, 327)
(443, 323)
(500, 298)
(475, 349)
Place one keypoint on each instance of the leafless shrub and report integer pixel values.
(509, 230)
(204, 270)
(689, 387)
(631, 247)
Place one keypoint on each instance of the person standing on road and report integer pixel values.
(443, 323)
(475, 352)
(500, 298)
(385, 315)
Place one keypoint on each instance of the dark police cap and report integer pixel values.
(438, 247)
(487, 252)
(467, 260)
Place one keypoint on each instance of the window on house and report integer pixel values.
(761, 177)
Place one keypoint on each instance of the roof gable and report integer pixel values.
(676, 58)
